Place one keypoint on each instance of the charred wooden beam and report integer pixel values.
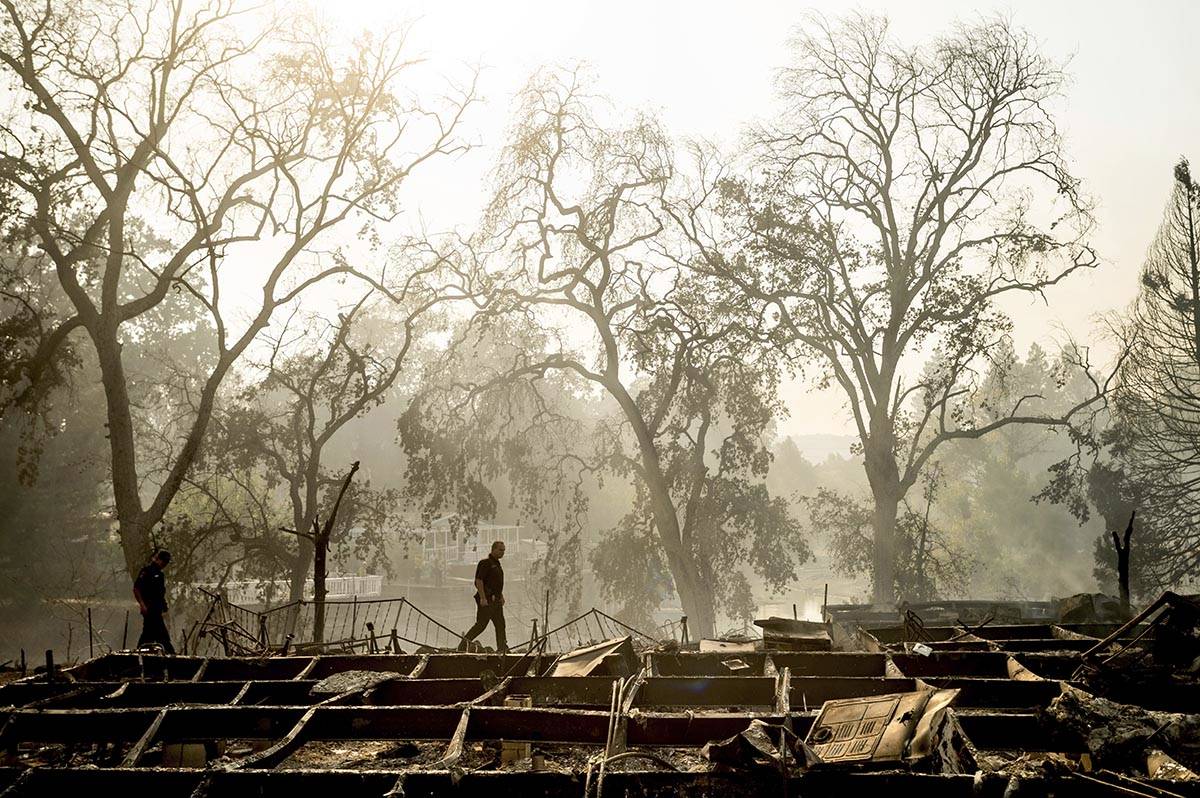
(155, 694)
(454, 750)
(716, 691)
(809, 692)
(783, 693)
(418, 670)
(198, 724)
(288, 784)
(135, 754)
(281, 750)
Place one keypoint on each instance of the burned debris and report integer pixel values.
(999, 709)
(257, 308)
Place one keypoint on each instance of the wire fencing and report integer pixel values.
(373, 626)
(354, 625)
(206, 623)
(593, 626)
(351, 626)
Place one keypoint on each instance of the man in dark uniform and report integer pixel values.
(489, 598)
(150, 590)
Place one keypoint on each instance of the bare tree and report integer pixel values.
(176, 144)
(1122, 549)
(317, 381)
(575, 238)
(319, 540)
(900, 196)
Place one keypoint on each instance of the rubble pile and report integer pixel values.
(1121, 736)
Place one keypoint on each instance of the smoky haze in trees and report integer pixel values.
(219, 289)
(1142, 454)
(886, 214)
(226, 131)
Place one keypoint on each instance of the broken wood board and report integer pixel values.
(587, 661)
(728, 647)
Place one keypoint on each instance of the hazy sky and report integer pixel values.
(1131, 109)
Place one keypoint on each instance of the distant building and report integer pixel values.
(449, 543)
(438, 576)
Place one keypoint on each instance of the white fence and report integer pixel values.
(451, 544)
(257, 591)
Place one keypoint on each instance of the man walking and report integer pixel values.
(489, 599)
(150, 590)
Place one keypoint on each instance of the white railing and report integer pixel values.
(256, 591)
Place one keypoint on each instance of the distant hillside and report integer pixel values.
(816, 448)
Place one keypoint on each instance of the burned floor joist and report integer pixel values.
(288, 784)
(575, 727)
(689, 692)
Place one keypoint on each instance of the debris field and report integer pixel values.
(964, 709)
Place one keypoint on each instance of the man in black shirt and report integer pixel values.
(150, 590)
(489, 598)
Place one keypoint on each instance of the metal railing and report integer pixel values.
(591, 627)
(354, 624)
(351, 625)
(372, 625)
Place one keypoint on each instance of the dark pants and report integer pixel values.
(154, 630)
(493, 612)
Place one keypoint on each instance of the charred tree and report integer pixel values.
(1122, 548)
(319, 541)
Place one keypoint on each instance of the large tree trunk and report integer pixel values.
(299, 575)
(320, 560)
(133, 523)
(304, 515)
(883, 529)
(134, 520)
(302, 520)
(884, 477)
(696, 600)
(694, 595)
(297, 578)
(135, 543)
